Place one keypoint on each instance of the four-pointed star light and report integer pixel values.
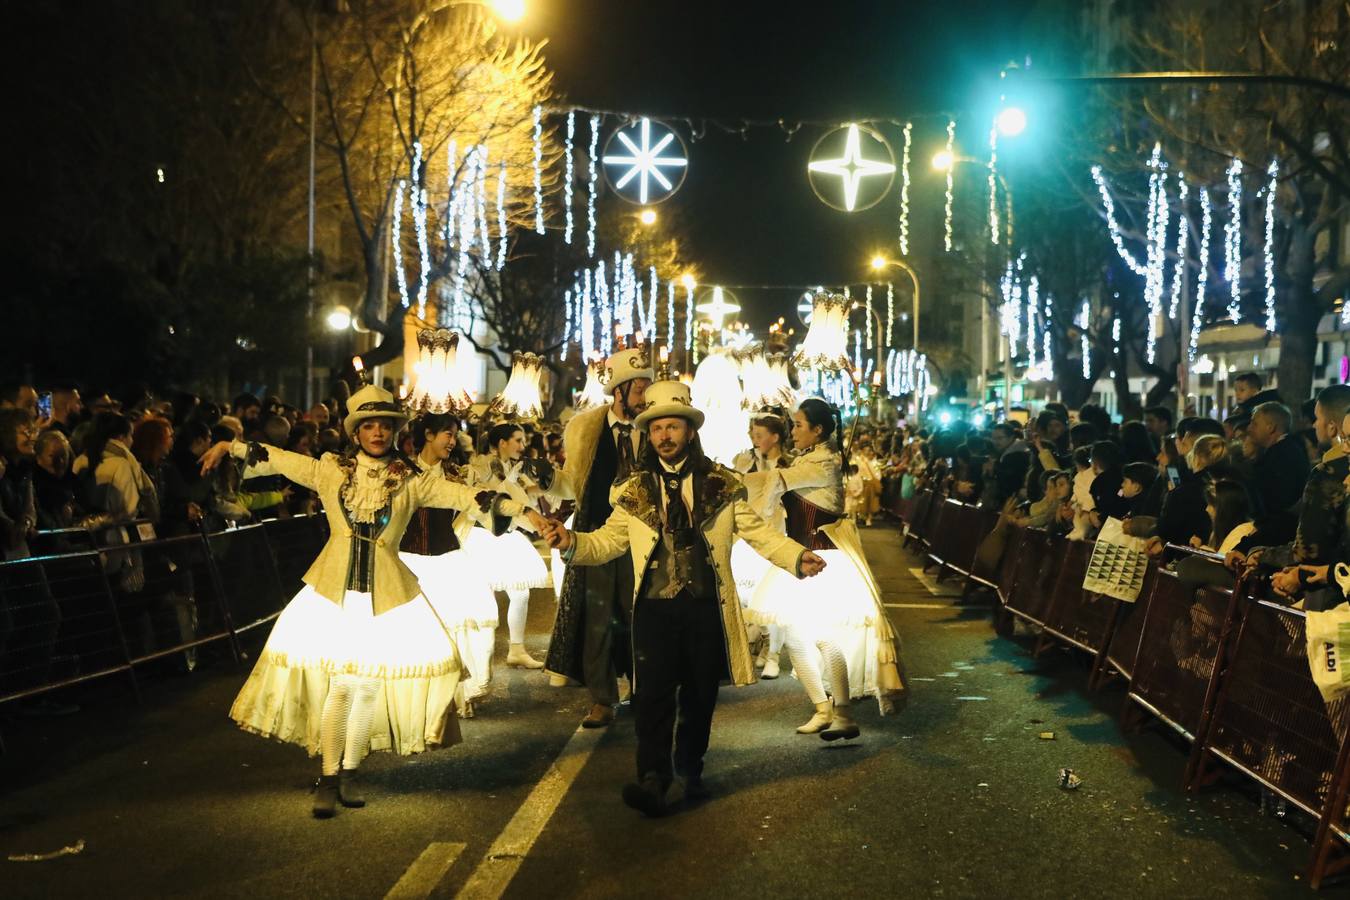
(644, 160)
(852, 167)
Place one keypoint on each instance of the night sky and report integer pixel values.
(746, 209)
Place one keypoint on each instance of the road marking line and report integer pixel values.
(489, 881)
(421, 878)
(917, 605)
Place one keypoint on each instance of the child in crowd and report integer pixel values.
(854, 493)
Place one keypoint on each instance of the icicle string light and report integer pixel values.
(567, 328)
(1046, 355)
(904, 193)
(1268, 251)
(670, 313)
(890, 314)
(568, 175)
(1232, 245)
(538, 170)
(688, 320)
(652, 287)
(586, 327)
(1112, 226)
(1085, 341)
(1033, 307)
(1183, 234)
(1202, 278)
(501, 215)
(993, 185)
(594, 184)
(871, 341)
(602, 294)
(396, 236)
(951, 170)
(480, 193)
(1157, 246)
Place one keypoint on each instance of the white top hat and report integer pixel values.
(372, 402)
(666, 399)
(625, 365)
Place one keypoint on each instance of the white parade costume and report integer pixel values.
(509, 561)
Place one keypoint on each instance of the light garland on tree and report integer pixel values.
(1033, 307)
(951, 169)
(586, 327)
(419, 211)
(480, 194)
(396, 236)
(993, 184)
(1202, 278)
(653, 285)
(904, 193)
(501, 215)
(1268, 251)
(568, 175)
(890, 313)
(567, 324)
(1157, 247)
(594, 173)
(1048, 357)
(603, 304)
(1232, 246)
(1112, 226)
(670, 313)
(688, 320)
(538, 170)
(1183, 233)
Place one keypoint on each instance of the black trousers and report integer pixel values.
(679, 655)
(605, 641)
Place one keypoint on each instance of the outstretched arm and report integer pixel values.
(777, 548)
(264, 459)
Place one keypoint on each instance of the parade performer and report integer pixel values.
(590, 642)
(509, 561)
(675, 519)
(769, 440)
(455, 586)
(840, 617)
(359, 659)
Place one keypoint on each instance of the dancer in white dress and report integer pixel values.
(837, 617)
(509, 561)
(769, 437)
(359, 660)
(457, 588)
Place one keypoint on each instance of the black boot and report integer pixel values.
(647, 796)
(349, 791)
(326, 797)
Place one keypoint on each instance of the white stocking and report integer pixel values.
(805, 663)
(834, 661)
(516, 612)
(365, 695)
(337, 707)
(776, 638)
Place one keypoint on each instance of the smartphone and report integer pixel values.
(1173, 476)
(45, 405)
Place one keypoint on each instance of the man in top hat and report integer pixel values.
(590, 640)
(676, 519)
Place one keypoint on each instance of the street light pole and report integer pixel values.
(880, 263)
(309, 272)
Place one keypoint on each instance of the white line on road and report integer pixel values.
(917, 605)
(425, 872)
(494, 873)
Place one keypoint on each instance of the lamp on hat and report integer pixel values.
(625, 365)
(593, 392)
(668, 399)
(520, 398)
(438, 386)
(825, 347)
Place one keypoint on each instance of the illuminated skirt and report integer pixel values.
(508, 562)
(837, 606)
(315, 639)
(466, 606)
(748, 568)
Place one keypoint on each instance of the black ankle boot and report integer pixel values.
(326, 797)
(349, 790)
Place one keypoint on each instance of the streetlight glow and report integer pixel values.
(509, 10)
(647, 216)
(878, 263)
(339, 318)
(943, 161)
(1011, 121)
(688, 280)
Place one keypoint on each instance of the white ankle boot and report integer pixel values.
(519, 657)
(770, 667)
(842, 726)
(820, 720)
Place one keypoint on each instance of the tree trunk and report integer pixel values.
(1298, 325)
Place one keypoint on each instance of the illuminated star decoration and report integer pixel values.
(852, 167)
(718, 308)
(645, 161)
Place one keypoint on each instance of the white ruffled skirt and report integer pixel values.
(466, 606)
(838, 597)
(748, 568)
(508, 562)
(315, 639)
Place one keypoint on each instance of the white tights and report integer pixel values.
(516, 612)
(806, 657)
(776, 633)
(348, 715)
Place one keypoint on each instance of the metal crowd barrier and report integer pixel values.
(1226, 669)
(69, 617)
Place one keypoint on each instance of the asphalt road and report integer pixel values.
(956, 796)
